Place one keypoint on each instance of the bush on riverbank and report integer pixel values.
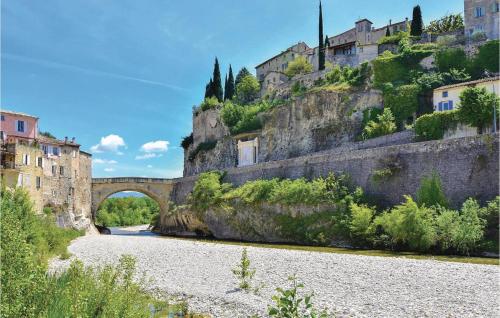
(339, 213)
(28, 240)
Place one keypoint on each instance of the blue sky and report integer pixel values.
(122, 76)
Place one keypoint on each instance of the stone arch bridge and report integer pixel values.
(157, 189)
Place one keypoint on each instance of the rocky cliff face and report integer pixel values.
(317, 121)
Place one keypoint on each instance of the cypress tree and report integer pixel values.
(242, 73)
(208, 89)
(387, 32)
(229, 91)
(327, 42)
(417, 23)
(217, 82)
(321, 55)
(225, 88)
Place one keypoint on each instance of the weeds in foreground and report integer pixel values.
(243, 272)
(288, 303)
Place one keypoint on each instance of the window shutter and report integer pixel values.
(16, 123)
(20, 180)
(440, 106)
(451, 105)
(28, 159)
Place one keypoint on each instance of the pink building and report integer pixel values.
(17, 126)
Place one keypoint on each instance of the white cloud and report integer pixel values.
(110, 143)
(148, 156)
(109, 169)
(155, 146)
(99, 161)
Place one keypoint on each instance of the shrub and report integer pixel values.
(289, 304)
(487, 57)
(446, 227)
(352, 76)
(187, 141)
(248, 89)
(433, 126)
(361, 221)
(409, 225)
(371, 114)
(393, 39)
(451, 58)
(298, 89)
(207, 191)
(209, 103)
(203, 146)
(470, 228)
(403, 102)
(243, 272)
(430, 192)
(477, 107)
(391, 68)
(241, 119)
(383, 126)
(299, 65)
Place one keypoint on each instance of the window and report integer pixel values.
(360, 28)
(45, 149)
(26, 159)
(54, 170)
(479, 12)
(20, 126)
(38, 182)
(448, 105)
(74, 153)
(445, 94)
(61, 170)
(39, 161)
(20, 179)
(496, 8)
(55, 151)
(3, 118)
(2, 135)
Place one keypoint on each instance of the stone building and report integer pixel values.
(56, 173)
(482, 16)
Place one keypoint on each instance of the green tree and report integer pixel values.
(387, 31)
(470, 228)
(430, 192)
(209, 89)
(327, 43)
(299, 65)
(229, 88)
(241, 74)
(487, 58)
(451, 58)
(402, 101)
(417, 23)
(448, 23)
(361, 221)
(321, 47)
(248, 89)
(217, 82)
(477, 107)
(384, 125)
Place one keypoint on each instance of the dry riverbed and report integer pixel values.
(348, 285)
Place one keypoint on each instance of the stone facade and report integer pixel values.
(56, 174)
(482, 16)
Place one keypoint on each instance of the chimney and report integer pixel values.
(390, 22)
(73, 140)
(65, 139)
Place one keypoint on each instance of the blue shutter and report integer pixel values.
(440, 107)
(451, 105)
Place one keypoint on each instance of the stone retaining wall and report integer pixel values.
(468, 167)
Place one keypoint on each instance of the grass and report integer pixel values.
(340, 250)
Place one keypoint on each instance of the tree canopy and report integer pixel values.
(477, 107)
(417, 24)
(448, 23)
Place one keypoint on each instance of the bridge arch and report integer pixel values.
(157, 189)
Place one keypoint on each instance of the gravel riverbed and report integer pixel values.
(348, 285)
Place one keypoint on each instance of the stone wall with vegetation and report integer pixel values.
(468, 167)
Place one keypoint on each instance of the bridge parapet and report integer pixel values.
(131, 180)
